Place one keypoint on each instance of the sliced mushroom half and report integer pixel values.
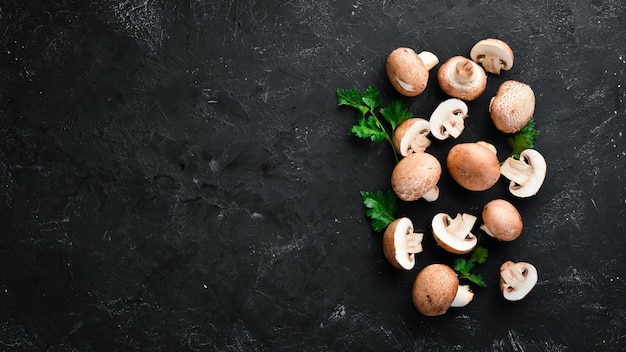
(526, 174)
(517, 279)
(493, 54)
(454, 234)
(448, 119)
(401, 243)
(411, 136)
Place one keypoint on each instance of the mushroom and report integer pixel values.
(501, 220)
(400, 243)
(512, 106)
(462, 78)
(448, 119)
(416, 176)
(411, 136)
(408, 71)
(436, 288)
(454, 235)
(526, 174)
(517, 279)
(474, 166)
(493, 54)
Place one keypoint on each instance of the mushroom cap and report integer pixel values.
(434, 289)
(473, 166)
(448, 119)
(395, 246)
(493, 54)
(454, 235)
(502, 220)
(462, 78)
(415, 175)
(517, 280)
(512, 106)
(406, 71)
(411, 136)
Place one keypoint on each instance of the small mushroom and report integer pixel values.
(517, 279)
(462, 78)
(416, 176)
(436, 288)
(501, 220)
(493, 54)
(448, 119)
(400, 243)
(411, 136)
(454, 235)
(408, 71)
(526, 174)
(474, 166)
(512, 106)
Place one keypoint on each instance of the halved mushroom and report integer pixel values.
(436, 288)
(501, 220)
(493, 54)
(448, 119)
(462, 78)
(517, 279)
(411, 136)
(454, 235)
(474, 166)
(526, 174)
(512, 107)
(408, 71)
(400, 243)
(416, 176)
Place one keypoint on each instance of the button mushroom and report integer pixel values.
(517, 279)
(462, 78)
(411, 136)
(400, 243)
(454, 235)
(512, 106)
(474, 166)
(501, 220)
(448, 119)
(436, 288)
(408, 71)
(493, 54)
(416, 176)
(526, 174)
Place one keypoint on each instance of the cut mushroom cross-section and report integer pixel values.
(411, 136)
(448, 119)
(401, 243)
(493, 54)
(454, 235)
(436, 288)
(517, 279)
(526, 174)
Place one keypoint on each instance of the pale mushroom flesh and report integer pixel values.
(526, 173)
(493, 55)
(455, 234)
(448, 119)
(517, 280)
(412, 136)
(407, 243)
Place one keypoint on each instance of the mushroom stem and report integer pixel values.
(491, 64)
(486, 230)
(414, 242)
(463, 296)
(455, 125)
(517, 171)
(429, 59)
(464, 71)
(462, 225)
(432, 194)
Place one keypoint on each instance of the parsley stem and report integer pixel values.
(387, 136)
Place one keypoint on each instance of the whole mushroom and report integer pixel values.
(517, 279)
(526, 173)
(474, 166)
(454, 234)
(408, 71)
(448, 119)
(501, 220)
(436, 288)
(401, 243)
(462, 78)
(493, 54)
(411, 136)
(512, 106)
(416, 176)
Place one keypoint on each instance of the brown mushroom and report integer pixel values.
(462, 78)
(501, 220)
(436, 288)
(408, 71)
(493, 54)
(411, 136)
(401, 243)
(512, 106)
(454, 234)
(474, 166)
(416, 176)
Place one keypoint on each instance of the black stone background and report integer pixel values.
(177, 176)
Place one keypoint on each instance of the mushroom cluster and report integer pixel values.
(474, 166)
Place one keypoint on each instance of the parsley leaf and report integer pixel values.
(381, 207)
(524, 139)
(368, 128)
(463, 266)
(395, 113)
(372, 98)
(479, 255)
(352, 98)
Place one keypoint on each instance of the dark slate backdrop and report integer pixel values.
(177, 176)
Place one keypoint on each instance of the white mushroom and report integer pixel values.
(454, 235)
(493, 54)
(411, 136)
(400, 243)
(448, 119)
(526, 174)
(517, 279)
